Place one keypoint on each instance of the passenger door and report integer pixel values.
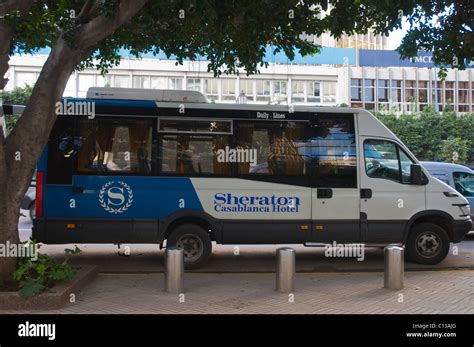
(335, 194)
(388, 200)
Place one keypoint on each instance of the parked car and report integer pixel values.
(29, 200)
(457, 176)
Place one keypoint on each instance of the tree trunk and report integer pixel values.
(20, 151)
(9, 232)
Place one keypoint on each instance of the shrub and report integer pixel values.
(38, 276)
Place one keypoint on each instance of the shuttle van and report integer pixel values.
(149, 166)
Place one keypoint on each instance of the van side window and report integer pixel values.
(333, 160)
(441, 176)
(195, 147)
(62, 148)
(464, 183)
(274, 148)
(384, 159)
(114, 146)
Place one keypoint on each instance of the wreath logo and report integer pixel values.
(116, 192)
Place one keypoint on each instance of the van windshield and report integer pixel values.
(464, 183)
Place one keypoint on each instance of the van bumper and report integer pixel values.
(461, 228)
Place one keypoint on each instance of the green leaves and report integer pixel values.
(39, 275)
(435, 136)
(30, 287)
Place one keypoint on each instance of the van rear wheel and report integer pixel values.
(194, 241)
(427, 244)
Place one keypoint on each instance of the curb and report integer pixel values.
(57, 298)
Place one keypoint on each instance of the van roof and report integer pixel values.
(446, 166)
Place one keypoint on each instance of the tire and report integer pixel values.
(195, 242)
(427, 244)
(32, 209)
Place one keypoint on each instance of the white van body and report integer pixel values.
(457, 176)
(323, 174)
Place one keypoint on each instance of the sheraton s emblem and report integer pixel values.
(116, 197)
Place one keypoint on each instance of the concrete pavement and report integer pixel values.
(425, 292)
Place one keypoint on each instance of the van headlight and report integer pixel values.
(466, 210)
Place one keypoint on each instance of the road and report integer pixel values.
(243, 258)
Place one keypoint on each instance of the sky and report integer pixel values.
(395, 37)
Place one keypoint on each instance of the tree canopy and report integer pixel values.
(233, 34)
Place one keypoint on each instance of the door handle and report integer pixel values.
(77, 190)
(365, 193)
(324, 193)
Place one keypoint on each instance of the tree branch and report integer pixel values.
(100, 27)
(6, 34)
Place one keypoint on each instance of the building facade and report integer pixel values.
(370, 79)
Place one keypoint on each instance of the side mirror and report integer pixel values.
(416, 175)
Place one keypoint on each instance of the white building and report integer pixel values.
(344, 76)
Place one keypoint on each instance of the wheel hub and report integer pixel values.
(192, 247)
(428, 244)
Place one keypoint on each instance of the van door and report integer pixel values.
(388, 200)
(335, 194)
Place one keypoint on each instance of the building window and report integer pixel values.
(194, 84)
(25, 78)
(211, 88)
(176, 83)
(228, 89)
(314, 91)
(85, 82)
(121, 81)
(263, 90)
(158, 82)
(246, 89)
(141, 82)
(449, 92)
(70, 90)
(437, 94)
(423, 93)
(356, 90)
(369, 91)
(410, 91)
(279, 91)
(396, 91)
(297, 91)
(104, 81)
(382, 90)
(329, 92)
(463, 96)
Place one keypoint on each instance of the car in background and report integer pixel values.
(457, 176)
(29, 200)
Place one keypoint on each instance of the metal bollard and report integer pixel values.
(174, 270)
(394, 267)
(285, 275)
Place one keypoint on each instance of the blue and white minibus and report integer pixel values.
(167, 167)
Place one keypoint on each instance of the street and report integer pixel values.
(148, 258)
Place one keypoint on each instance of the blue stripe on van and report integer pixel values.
(147, 197)
(115, 103)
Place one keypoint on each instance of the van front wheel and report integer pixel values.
(427, 244)
(194, 241)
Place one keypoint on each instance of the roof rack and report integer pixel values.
(163, 95)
